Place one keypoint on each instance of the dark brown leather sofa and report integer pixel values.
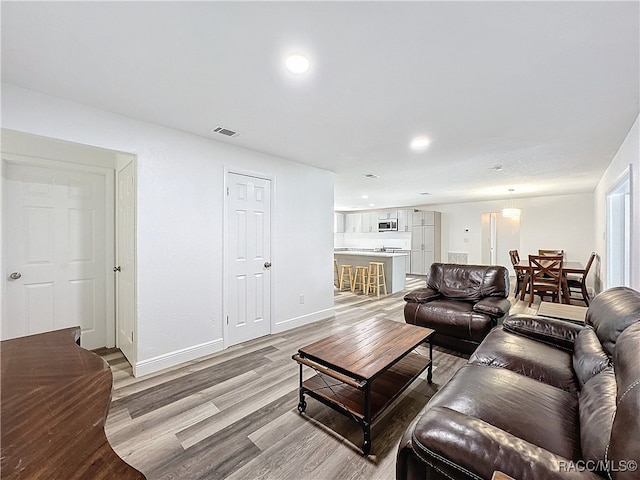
(462, 303)
(539, 399)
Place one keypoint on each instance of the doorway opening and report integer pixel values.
(619, 233)
(61, 237)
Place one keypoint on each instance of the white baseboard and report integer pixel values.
(290, 323)
(167, 360)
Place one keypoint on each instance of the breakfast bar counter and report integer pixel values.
(394, 265)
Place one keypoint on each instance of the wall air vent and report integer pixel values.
(227, 132)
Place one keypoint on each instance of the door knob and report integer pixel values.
(267, 264)
(15, 276)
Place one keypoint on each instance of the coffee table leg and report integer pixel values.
(366, 445)
(366, 423)
(430, 369)
(302, 405)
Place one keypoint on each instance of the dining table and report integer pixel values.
(522, 267)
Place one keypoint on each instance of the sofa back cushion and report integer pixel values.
(611, 312)
(624, 445)
(597, 406)
(589, 358)
(469, 282)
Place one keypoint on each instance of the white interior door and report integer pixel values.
(248, 252)
(125, 260)
(56, 241)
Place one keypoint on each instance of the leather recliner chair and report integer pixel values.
(462, 303)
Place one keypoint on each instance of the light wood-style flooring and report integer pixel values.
(233, 415)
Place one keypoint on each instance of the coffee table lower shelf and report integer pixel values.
(361, 400)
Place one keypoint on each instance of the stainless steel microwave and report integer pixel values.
(388, 226)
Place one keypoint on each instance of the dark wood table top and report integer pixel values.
(567, 267)
(55, 398)
(367, 349)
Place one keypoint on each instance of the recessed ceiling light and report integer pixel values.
(365, 196)
(372, 204)
(297, 63)
(420, 143)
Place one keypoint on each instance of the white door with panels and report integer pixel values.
(126, 267)
(57, 244)
(247, 299)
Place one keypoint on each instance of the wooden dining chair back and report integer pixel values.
(545, 277)
(520, 275)
(577, 283)
(551, 252)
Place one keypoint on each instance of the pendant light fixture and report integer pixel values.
(511, 211)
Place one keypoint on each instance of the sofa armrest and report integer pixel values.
(460, 446)
(494, 306)
(547, 330)
(421, 295)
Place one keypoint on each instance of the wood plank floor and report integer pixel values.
(233, 415)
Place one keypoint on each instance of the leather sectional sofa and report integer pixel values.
(539, 399)
(462, 303)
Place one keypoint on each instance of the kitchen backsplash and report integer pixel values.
(395, 240)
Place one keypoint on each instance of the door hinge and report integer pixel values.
(227, 191)
(227, 319)
(132, 336)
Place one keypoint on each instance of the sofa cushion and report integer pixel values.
(589, 358)
(456, 445)
(597, 402)
(625, 434)
(451, 317)
(528, 357)
(532, 411)
(558, 333)
(611, 312)
(469, 282)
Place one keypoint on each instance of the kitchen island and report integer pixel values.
(394, 265)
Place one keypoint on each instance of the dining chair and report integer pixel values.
(545, 277)
(520, 275)
(578, 282)
(550, 252)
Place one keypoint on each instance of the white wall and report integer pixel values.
(563, 221)
(628, 154)
(179, 224)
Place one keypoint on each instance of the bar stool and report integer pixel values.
(348, 269)
(336, 276)
(376, 278)
(360, 279)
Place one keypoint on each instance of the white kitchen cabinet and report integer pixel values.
(353, 222)
(404, 220)
(419, 217)
(425, 241)
(369, 222)
(338, 222)
(388, 215)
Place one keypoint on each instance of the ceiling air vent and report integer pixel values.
(227, 132)
(371, 175)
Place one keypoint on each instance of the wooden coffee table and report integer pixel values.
(361, 371)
